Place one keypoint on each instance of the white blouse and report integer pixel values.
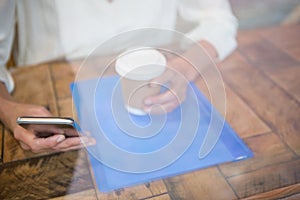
(53, 29)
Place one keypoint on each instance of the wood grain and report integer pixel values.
(86, 195)
(285, 56)
(142, 191)
(293, 197)
(284, 37)
(67, 108)
(161, 197)
(267, 179)
(263, 53)
(287, 193)
(242, 119)
(63, 75)
(238, 114)
(13, 150)
(1, 142)
(268, 100)
(288, 79)
(45, 177)
(294, 52)
(202, 184)
(33, 86)
(268, 150)
(262, 86)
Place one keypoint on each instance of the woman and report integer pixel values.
(49, 30)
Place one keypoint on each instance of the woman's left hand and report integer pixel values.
(176, 77)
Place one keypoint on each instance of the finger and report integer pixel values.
(87, 133)
(161, 103)
(167, 101)
(72, 148)
(163, 108)
(24, 146)
(75, 142)
(161, 98)
(44, 144)
(29, 140)
(71, 132)
(87, 141)
(45, 128)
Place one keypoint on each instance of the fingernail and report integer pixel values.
(85, 140)
(92, 142)
(60, 138)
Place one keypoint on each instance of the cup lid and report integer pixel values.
(141, 64)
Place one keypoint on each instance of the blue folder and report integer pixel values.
(133, 149)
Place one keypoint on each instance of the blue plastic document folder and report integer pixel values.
(134, 149)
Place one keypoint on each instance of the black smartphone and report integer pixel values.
(48, 126)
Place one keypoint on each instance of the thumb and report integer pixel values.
(44, 144)
(36, 144)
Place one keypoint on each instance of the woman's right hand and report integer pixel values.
(11, 110)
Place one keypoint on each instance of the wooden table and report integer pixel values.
(262, 80)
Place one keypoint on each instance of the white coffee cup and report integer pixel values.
(136, 68)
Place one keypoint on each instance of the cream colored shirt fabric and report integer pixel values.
(53, 29)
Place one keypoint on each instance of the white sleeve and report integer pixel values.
(7, 23)
(216, 23)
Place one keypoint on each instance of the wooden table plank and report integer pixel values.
(45, 177)
(161, 197)
(33, 86)
(262, 53)
(66, 108)
(202, 184)
(293, 197)
(286, 193)
(294, 52)
(268, 100)
(242, 119)
(262, 87)
(1, 142)
(268, 179)
(288, 79)
(268, 150)
(142, 191)
(84, 195)
(284, 37)
(51, 174)
(238, 114)
(63, 75)
(276, 47)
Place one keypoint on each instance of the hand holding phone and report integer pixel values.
(50, 134)
(48, 126)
